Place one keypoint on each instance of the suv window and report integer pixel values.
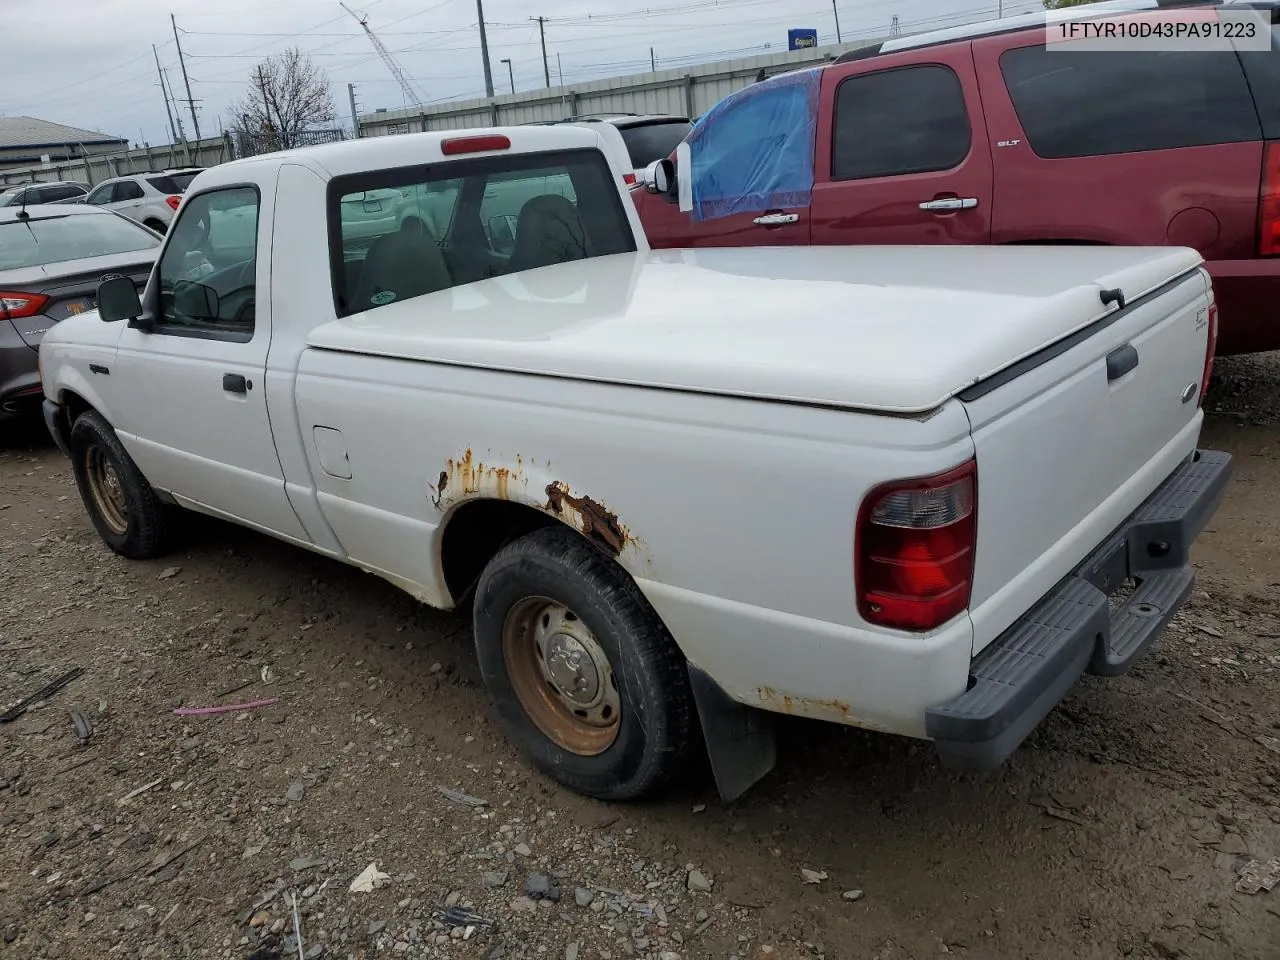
(1263, 70)
(172, 182)
(896, 122)
(63, 192)
(208, 273)
(1097, 103)
(101, 194)
(465, 220)
(129, 190)
(647, 142)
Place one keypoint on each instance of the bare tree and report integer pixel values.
(287, 95)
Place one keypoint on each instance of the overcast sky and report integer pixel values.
(89, 64)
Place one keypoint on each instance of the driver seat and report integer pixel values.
(399, 266)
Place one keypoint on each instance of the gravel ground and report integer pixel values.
(1118, 830)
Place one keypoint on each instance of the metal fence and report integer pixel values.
(208, 152)
(250, 143)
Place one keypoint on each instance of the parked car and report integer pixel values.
(149, 198)
(641, 139)
(51, 262)
(980, 134)
(61, 191)
(888, 487)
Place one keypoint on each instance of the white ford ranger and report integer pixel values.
(917, 490)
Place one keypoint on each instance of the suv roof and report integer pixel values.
(986, 28)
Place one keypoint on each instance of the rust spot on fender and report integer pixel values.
(828, 708)
(597, 522)
(467, 477)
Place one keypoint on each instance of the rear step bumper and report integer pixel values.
(1022, 675)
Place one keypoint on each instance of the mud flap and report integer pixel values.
(740, 740)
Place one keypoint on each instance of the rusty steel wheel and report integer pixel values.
(106, 489)
(562, 676)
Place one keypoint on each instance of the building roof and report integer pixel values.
(30, 132)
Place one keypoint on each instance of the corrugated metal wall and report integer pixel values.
(688, 91)
(99, 167)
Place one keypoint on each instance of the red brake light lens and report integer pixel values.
(915, 548)
(1210, 350)
(17, 305)
(1269, 235)
(173, 201)
(457, 145)
(629, 179)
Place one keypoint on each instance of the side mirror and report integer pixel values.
(660, 176)
(195, 300)
(118, 300)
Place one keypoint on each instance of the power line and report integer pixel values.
(195, 123)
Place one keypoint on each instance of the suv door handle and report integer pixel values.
(776, 219)
(234, 383)
(950, 203)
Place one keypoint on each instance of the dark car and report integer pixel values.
(984, 135)
(52, 258)
(62, 191)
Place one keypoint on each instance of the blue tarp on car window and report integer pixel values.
(753, 150)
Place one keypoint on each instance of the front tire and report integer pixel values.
(585, 676)
(124, 509)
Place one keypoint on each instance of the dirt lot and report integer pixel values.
(1116, 831)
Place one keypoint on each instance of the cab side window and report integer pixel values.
(208, 273)
(898, 122)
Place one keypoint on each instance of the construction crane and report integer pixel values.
(411, 95)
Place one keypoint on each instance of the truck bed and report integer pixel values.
(886, 329)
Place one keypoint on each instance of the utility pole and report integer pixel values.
(177, 114)
(484, 51)
(167, 112)
(542, 32)
(266, 103)
(355, 118)
(836, 10)
(653, 63)
(511, 74)
(185, 79)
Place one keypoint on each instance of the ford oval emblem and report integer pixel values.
(1189, 391)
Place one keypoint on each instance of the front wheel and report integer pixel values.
(585, 676)
(125, 510)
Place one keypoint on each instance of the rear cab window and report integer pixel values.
(1096, 103)
(403, 233)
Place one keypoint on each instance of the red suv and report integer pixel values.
(982, 134)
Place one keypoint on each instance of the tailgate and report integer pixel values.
(1072, 440)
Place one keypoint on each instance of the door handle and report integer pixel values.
(951, 203)
(1121, 361)
(776, 219)
(234, 383)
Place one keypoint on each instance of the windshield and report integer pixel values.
(654, 141)
(10, 197)
(31, 243)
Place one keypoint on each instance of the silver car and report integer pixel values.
(52, 258)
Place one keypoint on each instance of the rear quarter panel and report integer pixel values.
(736, 517)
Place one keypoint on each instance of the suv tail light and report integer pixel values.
(1211, 348)
(629, 179)
(914, 551)
(173, 201)
(1269, 235)
(15, 305)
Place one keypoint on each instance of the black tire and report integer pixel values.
(657, 732)
(145, 530)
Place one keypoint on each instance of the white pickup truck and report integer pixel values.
(916, 490)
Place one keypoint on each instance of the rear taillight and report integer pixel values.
(15, 305)
(1210, 349)
(173, 202)
(914, 550)
(1269, 234)
(629, 179)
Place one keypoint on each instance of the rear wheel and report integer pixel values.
(125, 510)
(585, 676)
